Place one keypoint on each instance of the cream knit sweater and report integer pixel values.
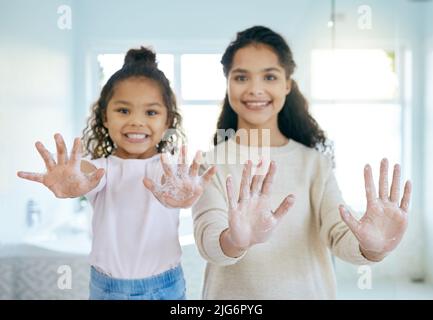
(295, 262)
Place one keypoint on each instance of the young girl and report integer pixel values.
(254, 250)
(135, 249)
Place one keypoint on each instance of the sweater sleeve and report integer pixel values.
(211, 219)
(333, 231)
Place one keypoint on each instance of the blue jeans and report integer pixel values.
(169, 285)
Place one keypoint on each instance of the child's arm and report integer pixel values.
(180, 187)
(68, 177)
(384, 223)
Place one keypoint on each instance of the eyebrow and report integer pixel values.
(240, 70)
(127, 103)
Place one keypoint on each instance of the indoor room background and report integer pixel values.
(365, 67)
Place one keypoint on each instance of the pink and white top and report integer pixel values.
(134, 236)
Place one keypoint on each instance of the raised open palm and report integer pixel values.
(64, 178)
(180, 187)
(251, 219)
(384, 223)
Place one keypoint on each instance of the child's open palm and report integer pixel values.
(180, 187)
(64, 178)
(382, 227)
(251, 219)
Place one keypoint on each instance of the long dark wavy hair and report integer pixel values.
(138, 63)
(294, 120)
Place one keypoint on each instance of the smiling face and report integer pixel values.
(136, 118)
(257, 87)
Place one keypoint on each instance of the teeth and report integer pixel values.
(136, 136)
(257, 104)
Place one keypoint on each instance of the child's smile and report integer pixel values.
(136, 118)
(136, 137)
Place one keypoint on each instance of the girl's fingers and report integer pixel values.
(46, 156)
(257, 181)
(244, 192)
(383, 180)
(395, 186)
(405, 201)
(96, 177)
(348, 218)
(76, 152)
(193, 169)
(31, 176)
(62, 154)
(284, 207)
(230, 194)
(149, 184)
(182, 159)
(208, 174)
(370, 189)
(267, 183)
(166, 166)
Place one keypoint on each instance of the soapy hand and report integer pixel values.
(180, 187)
(251, 219)
(64, 178)
(384, 223)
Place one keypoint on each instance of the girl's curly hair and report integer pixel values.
(138, 63)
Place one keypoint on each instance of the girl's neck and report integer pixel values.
(123, 154)
(255, 136)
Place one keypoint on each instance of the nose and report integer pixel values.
(255, 88)
(137, 121)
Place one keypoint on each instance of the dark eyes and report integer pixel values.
(268, 77)
(123, 110)
(126, 111)
(240, 78)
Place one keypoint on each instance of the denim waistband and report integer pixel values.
(155, 282)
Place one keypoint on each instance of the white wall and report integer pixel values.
(36, 99)
(428, 154)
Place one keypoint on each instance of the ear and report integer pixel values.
(288, 86)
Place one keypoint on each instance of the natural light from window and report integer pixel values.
(353, 75)
(355, 100)
(202, 77)
(111, 62)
